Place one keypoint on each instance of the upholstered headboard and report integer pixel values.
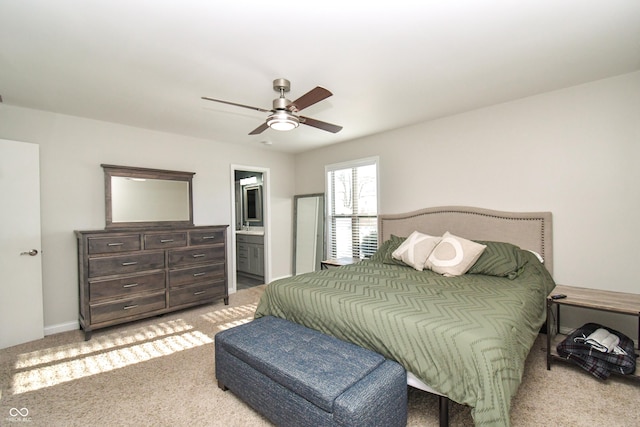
(528, 230)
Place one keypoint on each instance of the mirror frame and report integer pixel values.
(258, 203)
(135, 172)
(319, 256)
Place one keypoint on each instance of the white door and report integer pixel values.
(21, 311)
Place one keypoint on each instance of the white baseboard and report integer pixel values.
(281, 277)
(565, 331)
(61, 327)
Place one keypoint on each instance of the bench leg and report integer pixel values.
(444, 411)
(222, 386)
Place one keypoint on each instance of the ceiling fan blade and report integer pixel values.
(320, 125)
(309, 98)
(259, 129)
(237, 105)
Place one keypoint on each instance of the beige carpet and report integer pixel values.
(160, 372)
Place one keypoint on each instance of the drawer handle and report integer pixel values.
(115, 244)
(129, 307)
(199, 293)
(130, 285)
(208, 237)
(124, 264)
(198, 274)
(199, 255)
(166, 240)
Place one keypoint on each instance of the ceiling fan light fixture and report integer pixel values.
(283, 121)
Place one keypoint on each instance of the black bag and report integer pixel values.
(598, 363)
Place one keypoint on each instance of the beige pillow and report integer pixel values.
(454, 255)
(415, 249)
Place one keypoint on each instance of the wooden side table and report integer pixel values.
(337, 262)
(595, 299)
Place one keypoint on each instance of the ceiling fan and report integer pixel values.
(284, 113)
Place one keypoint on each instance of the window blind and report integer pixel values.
(352, 204)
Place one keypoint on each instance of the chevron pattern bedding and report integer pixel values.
(466, 337)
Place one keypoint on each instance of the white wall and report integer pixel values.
(573, 152)
(72, 188)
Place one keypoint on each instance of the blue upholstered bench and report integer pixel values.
(296, 376)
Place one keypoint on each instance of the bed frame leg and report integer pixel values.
(444, 411)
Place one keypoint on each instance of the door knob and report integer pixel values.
(32, 252)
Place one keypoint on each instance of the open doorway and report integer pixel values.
(250, 230)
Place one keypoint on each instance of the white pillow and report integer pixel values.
(415, 249)
(454, 255)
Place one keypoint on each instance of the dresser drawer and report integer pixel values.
(165, 240)
(113, 310)
(113, 244)
(203, 237)
(196, 293)
(189, 276)
(126, 274)
(184, 257)
(114, 288)
(123, 264)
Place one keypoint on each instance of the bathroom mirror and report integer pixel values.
(252, 204)
(136, 197)
(308, 232)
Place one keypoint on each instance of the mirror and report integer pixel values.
(252, 203)
(136, 197)
(249, 202)
(308, 232)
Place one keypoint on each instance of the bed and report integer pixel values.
(466, 337)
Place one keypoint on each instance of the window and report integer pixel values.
(352, 209)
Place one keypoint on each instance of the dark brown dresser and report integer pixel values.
(130, 274)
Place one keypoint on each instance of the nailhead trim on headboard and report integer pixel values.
(490, 231)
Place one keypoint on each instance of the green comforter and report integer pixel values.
(466, 337)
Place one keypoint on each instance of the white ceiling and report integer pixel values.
(146, 63)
